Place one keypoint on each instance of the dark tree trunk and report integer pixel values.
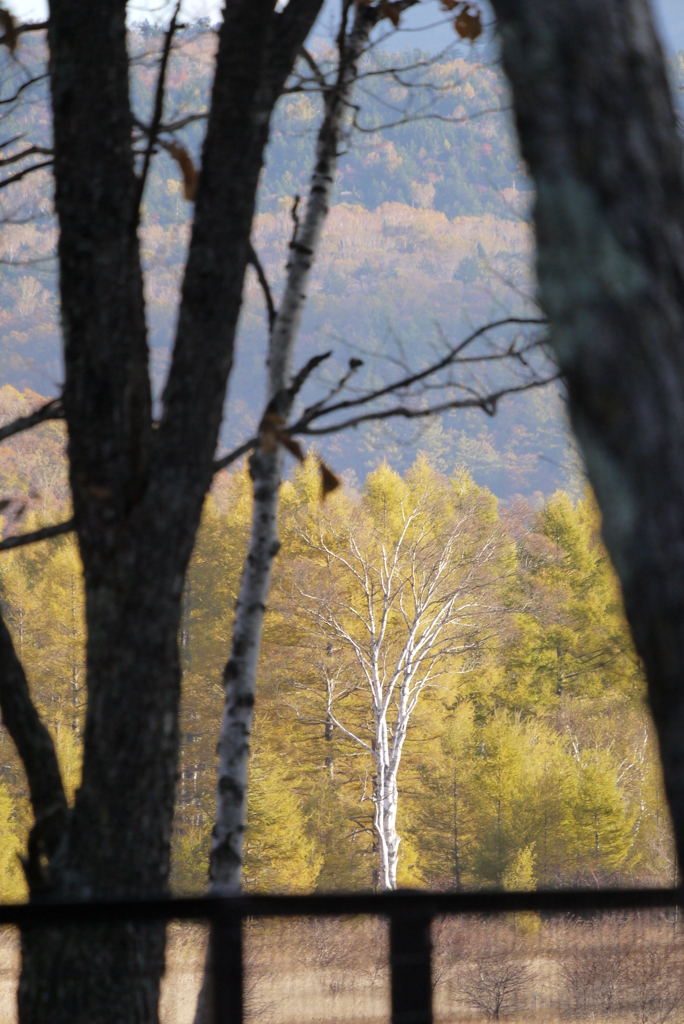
(598, 130)
(138, 488)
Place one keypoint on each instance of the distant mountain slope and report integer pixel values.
(427, 239)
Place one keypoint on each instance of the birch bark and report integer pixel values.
(239, 676)
(265, 468)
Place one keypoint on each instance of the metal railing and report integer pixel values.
(410, 915)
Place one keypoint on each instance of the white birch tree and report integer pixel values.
(266, 462)
(400, 601)
(266, 465)
(276, 432)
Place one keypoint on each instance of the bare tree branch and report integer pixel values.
(474, 398)
(4, 262)
(301, 377)
(45, 532)
(409, 119)
(22, 174)
(52, 410)
(37, 752)
(29, 26)
(22, 88)
(488, 403)
(318, 74)
(485, 400)
(453, 355)
(153, 130)
(237, 453)
(170, 127)
(31, 151)
(265, 287)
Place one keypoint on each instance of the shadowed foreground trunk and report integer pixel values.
(138, 487)
(598, 131)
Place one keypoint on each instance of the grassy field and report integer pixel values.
(609, 969)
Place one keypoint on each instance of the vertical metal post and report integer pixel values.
(226, 955)
(410, 963)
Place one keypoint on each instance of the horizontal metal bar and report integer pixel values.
(433, 904)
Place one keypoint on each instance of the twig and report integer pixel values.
(52, 410)
(10, 142)
(22, 174)
(265, 287)
(415, 378)
(31, 151)
(318, 74)
(153, 130)
(409, 119)
(24, 85)
(236, 454)
(354, 365)
(170, 128)
(301, 377)
(488, 404)
(37, 535)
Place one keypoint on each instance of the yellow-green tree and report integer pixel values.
(392, 594)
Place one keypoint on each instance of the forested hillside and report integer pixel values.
(521, 746)
(529, 758)
(427, 240)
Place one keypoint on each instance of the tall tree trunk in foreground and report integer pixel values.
(138, 487)
(598, 130)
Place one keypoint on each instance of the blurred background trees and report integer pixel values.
(530, 760)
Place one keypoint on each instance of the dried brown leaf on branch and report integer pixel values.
(292, 446)
(469, 25)
(329, 480)
(271, 434)
(9, 25)
(188, 169)
(270, 427)
(391, 10)
(11, 35)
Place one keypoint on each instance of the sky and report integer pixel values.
(669, 16)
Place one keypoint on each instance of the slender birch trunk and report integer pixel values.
(388, 757)
(389, 840)
(239, 676)
(266, 466)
